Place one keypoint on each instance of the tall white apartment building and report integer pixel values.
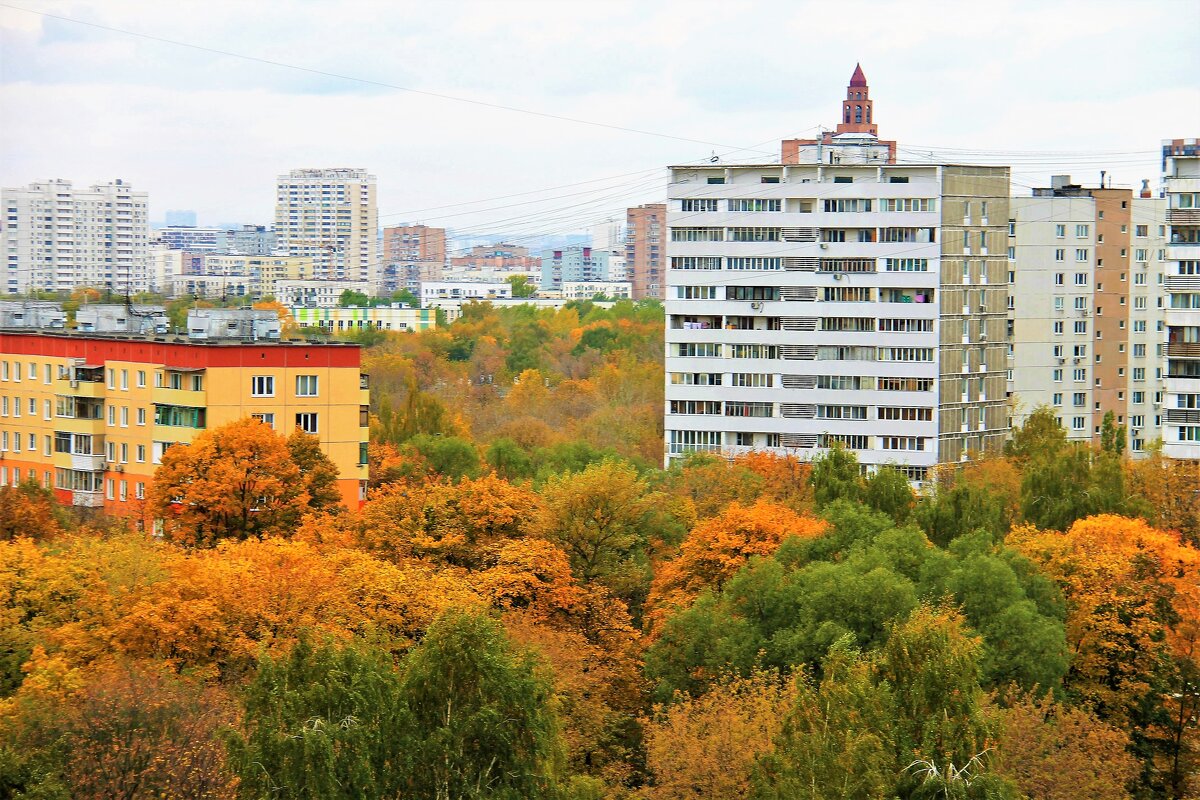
(330, 216)
(56, 237)
(1086, 309)
(1181, 428)
(837, 298)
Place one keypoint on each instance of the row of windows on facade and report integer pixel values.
(894, 235)
(730, 408)
(830, 382)
(260, 385)
(821, 352)
(71, 480)
(829, 294)
(683, 441)
(164, 414)
(805, 205)
(776, 263)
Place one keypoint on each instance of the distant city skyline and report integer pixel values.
(208, 132)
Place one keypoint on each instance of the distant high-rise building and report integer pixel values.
(500, 256)
(610, 237)
(330, 216)
(56, 238)
(645, 227)
(572, 264)
(181, 218)
(1181, 409)
(412, 254)
(1085, 310)
(858, 304)
(195, 240)
(252, 240)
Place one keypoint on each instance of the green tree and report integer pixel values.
(449, 456)
(1041, 434)
(835, 476)
(931, 663)
(1112, 436)
(508, 460)
(483, 723)
(836, 740)
(521, 286)
(326, 722)
(887, 490)
(349, 297)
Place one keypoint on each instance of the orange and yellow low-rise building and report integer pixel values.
(91, 415)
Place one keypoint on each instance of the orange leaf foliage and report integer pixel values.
(231, 482)
(446, 522)
(1131, 590)
(707, 746)
(718, 547)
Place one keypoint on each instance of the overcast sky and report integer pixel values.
(1050, 86)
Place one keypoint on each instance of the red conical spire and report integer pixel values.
(856, 109)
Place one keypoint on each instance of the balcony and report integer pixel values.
(1183, 216)
(79, 388)
(1183, 349)
(87, 499)
(92, 462)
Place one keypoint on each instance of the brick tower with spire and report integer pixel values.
(856, 109)
(856, 138)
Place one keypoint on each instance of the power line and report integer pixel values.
(364, 81)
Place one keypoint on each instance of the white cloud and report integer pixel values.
(210, 132)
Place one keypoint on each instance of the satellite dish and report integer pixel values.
(714, 158)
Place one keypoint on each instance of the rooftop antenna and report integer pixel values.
(714, 158)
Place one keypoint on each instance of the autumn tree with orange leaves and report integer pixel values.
(1133, 624)
(237, 481)
(718, 547)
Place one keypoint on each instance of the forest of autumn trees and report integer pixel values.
(529, 606)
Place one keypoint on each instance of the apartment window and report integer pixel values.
(111, 375)
(1080, 326)
(140, 491)
(1139, 303)
(1078, 423)
(307, 422)
(1058, 303)
(1060, 231)
(265, 419)
(124, 416)
(1059, 278)
(1139, 279)
(1139, 397)
(1057, 398)
(1079, 399)
(1139, 326)
(125, 380)
(1081, 231)
(699, 205)
(1059, 351)
(1081, 279)
(262, 386)
(306, 385)
(141, 416)
(1139, 351)
(1081, 254)
(902, 442)
(141, 378)
(1060, 255)
(124, 453)
(141, 453)
(112, 415)
(1139, 373)
(1079, 374)
(1058, 328)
